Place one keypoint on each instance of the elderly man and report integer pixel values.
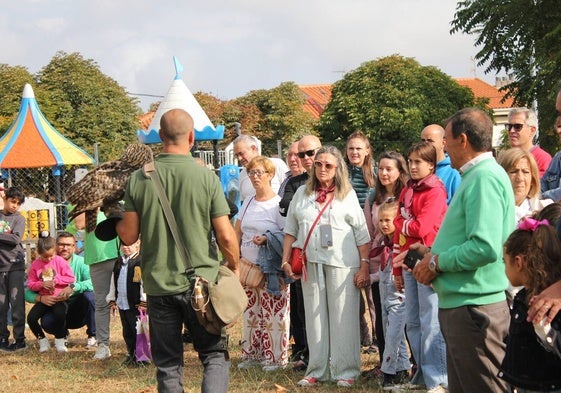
(307, 147)
(294, 165)
(80, 296)
(245, 149)
(200, 208)
(522, 127)
(451, 178)
(465, 264)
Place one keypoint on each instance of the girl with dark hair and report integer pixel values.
(391, 179)
(49, 275)
(422, 209)
(533, 358)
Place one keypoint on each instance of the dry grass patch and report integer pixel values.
(76, 371)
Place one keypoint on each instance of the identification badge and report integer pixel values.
(326, 236)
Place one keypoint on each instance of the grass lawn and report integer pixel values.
(76, 371)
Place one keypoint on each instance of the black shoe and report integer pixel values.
(15, 346)
(129, 361)
(399, 378)
(4, 344)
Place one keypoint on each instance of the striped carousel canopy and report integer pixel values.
(32, 142)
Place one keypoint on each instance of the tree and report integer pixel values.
(391, 100)
(88, 106)
(12, 81)
(522, 38)
(282, 115)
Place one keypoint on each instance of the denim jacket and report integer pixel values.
(551, 179)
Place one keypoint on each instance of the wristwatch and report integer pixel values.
(433, 264)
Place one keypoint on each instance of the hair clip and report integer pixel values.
(530, 224)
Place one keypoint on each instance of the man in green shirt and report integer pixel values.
(465, 265)
(199, 205)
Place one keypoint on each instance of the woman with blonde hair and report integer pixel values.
(326, 211)
(266, 319)
(522, 170)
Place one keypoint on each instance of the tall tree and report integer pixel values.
(88, 106)
(12, 81)
(390, 100)
(521, 38)
(282, 115)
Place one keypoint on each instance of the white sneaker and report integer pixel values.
(91, 343)
(248, 364)
(44, 344)
(102, 352)
(60, 345)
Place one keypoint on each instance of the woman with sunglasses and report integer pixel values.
(422, 208)
(266, 319)
(389, 303)
(336, 268)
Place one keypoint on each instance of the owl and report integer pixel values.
(104, 186)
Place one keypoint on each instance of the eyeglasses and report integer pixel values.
(517, 126)
(256, 172)
(327, 165)
(309, 153)
(65, 245)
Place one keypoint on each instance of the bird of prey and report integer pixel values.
(104, 186)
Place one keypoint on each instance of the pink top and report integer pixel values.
(56, 269)
(542, 157)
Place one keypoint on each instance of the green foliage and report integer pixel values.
(391, 100)
(282, 115)
(521, 38)
(12, 81)
(87, 106)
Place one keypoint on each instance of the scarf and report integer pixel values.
(321, 192)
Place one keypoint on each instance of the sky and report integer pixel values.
(230, 47)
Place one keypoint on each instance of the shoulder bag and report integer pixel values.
(298, 255)
(217, 304)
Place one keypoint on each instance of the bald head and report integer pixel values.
(308, 143)
(434, 134)
(177, 128)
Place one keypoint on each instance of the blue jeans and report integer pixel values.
(394, 358)
(423, 330)
(167, 314)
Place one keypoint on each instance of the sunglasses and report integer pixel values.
(256, 172)
(327, 165)
(309, 153)
(517, 126)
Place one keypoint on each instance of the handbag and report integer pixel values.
(143, 352)
(251, 275)
(219, 304)
(298, 255)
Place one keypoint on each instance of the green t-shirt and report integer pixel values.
(196, 197)
(96, 250)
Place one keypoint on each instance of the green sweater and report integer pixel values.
(470, 241)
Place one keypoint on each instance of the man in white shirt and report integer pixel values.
(245, 149)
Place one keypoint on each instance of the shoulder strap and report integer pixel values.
(150, 171)
(315, 222)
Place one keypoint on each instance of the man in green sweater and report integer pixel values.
(465, 264)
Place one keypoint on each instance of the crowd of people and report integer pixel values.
(445, 261)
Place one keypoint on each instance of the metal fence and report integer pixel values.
(41, 184)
